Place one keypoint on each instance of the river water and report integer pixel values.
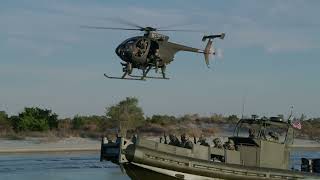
(75, 166)
(61, 166)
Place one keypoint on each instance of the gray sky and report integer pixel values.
(270, 57)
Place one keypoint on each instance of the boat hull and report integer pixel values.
(144, 172)
(152, 161)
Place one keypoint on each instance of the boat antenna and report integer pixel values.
(243, 105)
(291, 113)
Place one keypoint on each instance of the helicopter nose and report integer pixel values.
(124, 52)
(120, 51)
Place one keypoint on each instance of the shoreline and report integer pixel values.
(299, 148)
(39, 145)
(54, 150)
(76, 144)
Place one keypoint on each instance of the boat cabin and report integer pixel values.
(263, 142)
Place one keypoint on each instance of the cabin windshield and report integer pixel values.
(125, 49)
(129, 42)
(264, 129)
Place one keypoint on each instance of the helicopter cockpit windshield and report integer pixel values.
(125, 49)
(136, 48)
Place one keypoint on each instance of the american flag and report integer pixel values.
(296, 124)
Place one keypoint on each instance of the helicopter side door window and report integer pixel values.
(141, 47)
(153, 54)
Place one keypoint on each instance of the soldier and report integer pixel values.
(134, 138)
(251, 133)
(263, 135)
(194, 139)
(173, 140)
(107, 139)
(185, 142)
(165, 138)
(118, 138)
(273, 136)
(202, 140)
(217, 143)
(229, 145)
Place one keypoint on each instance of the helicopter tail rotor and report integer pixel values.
(209, 50)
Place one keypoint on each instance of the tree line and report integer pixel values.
(35, 119)
(128, 114)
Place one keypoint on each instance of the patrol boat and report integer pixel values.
(262, 151)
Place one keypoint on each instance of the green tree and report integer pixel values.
(92, 123)
(65, 124)
(14, 121)
(5, 125)
(162, 119)
(217, 118)
(78, 122)
(96, 123)
(35, 119)
(233, 118)
(4, 117)
(127, 112)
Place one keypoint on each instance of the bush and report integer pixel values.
(35, 119)
(162, 120)
(78, 122)
(127, 112)
(5, 125)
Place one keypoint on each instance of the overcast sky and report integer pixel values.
(269, 60)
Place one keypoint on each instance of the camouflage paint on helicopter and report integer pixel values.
(152, 50)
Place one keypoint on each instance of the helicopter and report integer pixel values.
(152, 50)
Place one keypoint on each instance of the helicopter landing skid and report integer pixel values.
(148, 77)
(124, 78)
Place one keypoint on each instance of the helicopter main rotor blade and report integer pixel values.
(125, 22)
(179, 30)
(121, 21)
(100, 27)
(147, 29)
(175, 25)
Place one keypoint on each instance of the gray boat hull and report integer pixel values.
(143, 172)
(152, 161)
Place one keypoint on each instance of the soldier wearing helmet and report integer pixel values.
(229, 145)
(203, 141)
(185, 142)
(174, 141)
(217, 143)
